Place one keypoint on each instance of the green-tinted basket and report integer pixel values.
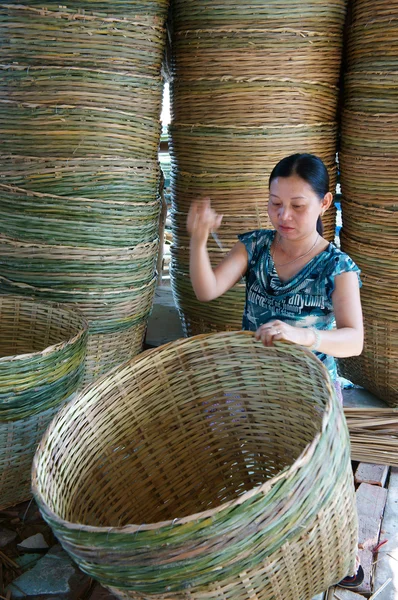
(211, 467)
(42, 354)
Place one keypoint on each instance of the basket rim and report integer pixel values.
(53, 347)
(300, 461)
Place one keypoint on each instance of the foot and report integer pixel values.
(351, 583)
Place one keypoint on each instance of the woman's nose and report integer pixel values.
(285, 213)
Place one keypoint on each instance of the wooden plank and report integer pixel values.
(341, 594)
(371, 501)
(372, 474)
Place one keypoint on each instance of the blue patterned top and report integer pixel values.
(305, 300)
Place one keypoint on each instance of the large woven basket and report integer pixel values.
(42, 351)
(209, 468)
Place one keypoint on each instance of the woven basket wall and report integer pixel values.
(212, 467)
(369, 179)
(251, 83)
(80, 102)
(42, 352)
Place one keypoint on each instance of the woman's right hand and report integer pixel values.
(202, 220)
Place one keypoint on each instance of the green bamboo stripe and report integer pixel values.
(50, 86)
(45, 269)
(80, 233)
(77, 208)
(21, 404)
(187, 555)
(124, 9)
(42, 353)
(76, 221)
(77, 132)
(102, 179)
(103, 299)
(106, 310)
(30, 36)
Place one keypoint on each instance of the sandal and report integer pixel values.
(353, 582)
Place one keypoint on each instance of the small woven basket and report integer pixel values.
(42, 352)
(211, 467)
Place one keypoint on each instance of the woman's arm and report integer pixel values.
(346, 340)
(207, 283)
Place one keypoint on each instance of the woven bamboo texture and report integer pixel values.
(116, 318)
(120, 8)
(250, 84)
(80, 101)
(18, 441)
(369, 179)
(211, 466)
(279, 14)
(376, 368)
(72, 268)
(42, 352)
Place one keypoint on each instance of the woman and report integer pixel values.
(299, 287)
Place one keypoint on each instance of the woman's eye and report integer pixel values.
(298, 206)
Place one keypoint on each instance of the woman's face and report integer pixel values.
(294, 208)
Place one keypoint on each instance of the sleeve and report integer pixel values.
(341, 263)
(249, 240)
(253, 240)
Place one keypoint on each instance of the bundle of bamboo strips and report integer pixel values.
(251, 83)
(373, 435)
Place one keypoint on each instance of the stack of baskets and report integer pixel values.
(209, 468)
(42, 351)
(369, 177)
(252, 82)
(80, 100)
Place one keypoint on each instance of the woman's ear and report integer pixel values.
(326, 202)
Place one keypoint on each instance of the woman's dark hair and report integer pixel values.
(311, 169)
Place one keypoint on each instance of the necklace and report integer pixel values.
(294, 259)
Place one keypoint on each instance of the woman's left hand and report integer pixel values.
(278, 330)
